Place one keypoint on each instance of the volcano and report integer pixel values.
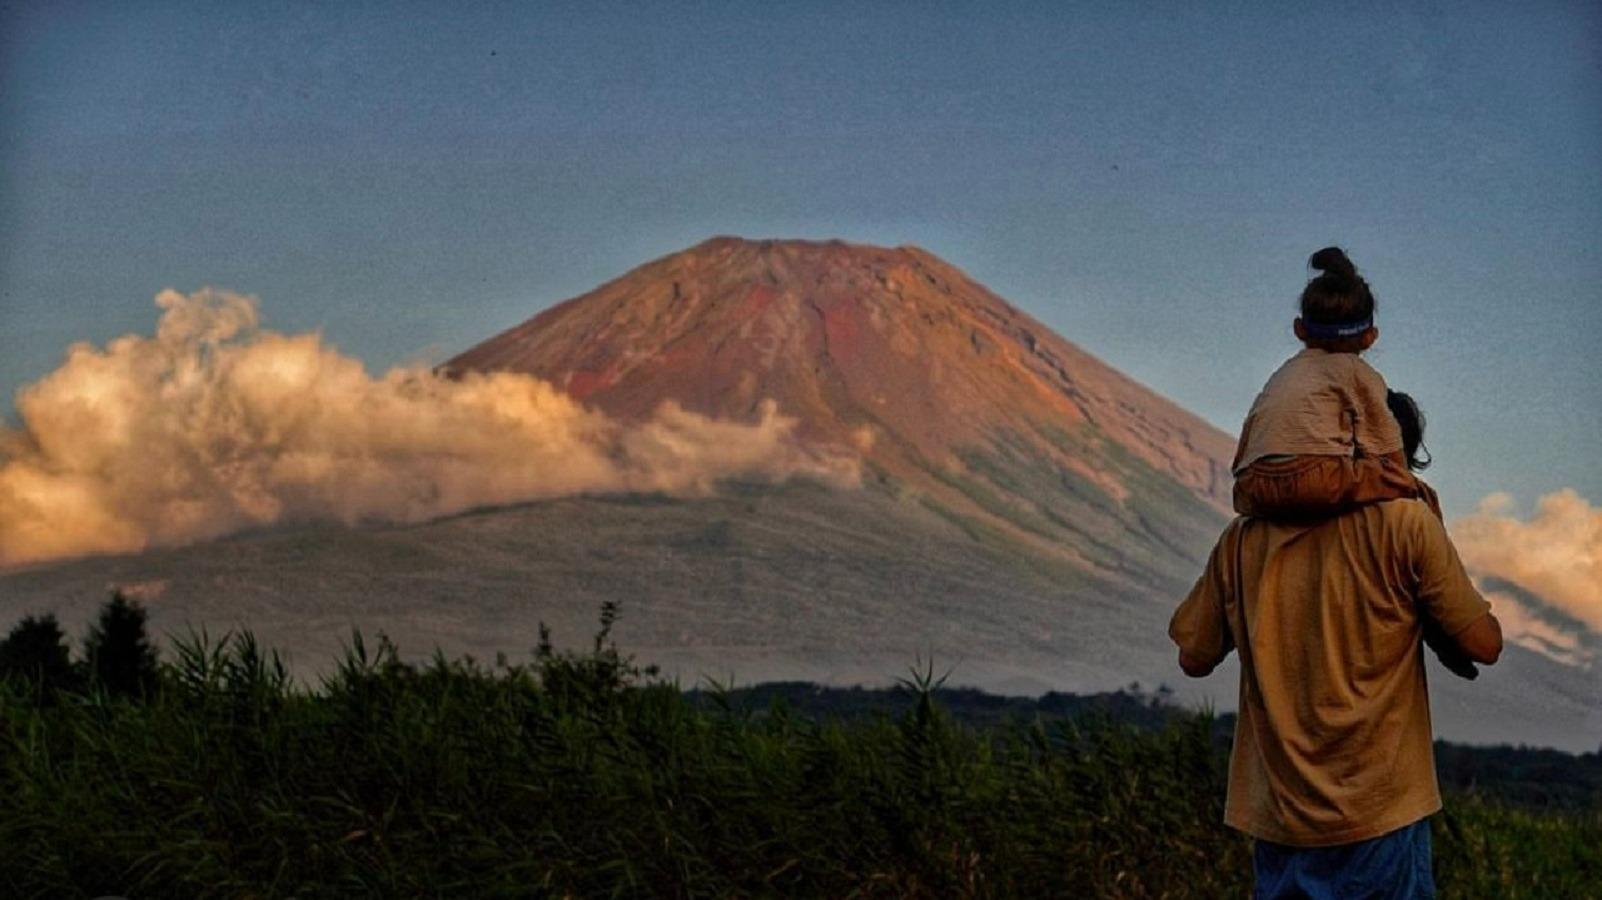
(1026, 518)
(952, 395)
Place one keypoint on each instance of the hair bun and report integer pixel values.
(1333, 261)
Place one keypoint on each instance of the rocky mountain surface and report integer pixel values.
(950, 393)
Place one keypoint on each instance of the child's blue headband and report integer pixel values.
(1332, 331)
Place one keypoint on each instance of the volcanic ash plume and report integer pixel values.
(215, 425)
(1555, 556)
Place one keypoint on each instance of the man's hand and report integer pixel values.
(1195, 668)
(1447, 651)
(1481, 641)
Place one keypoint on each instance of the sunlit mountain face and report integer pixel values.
(800, 460)
(951, 395)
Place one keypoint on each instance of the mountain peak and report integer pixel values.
(938, 381)
(789, 245)
(823, 253)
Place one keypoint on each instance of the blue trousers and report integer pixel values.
(1394, 866)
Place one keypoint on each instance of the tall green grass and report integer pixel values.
(581, 775)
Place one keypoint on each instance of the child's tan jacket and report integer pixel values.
(1319, 404)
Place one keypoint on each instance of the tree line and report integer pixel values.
(118, 657)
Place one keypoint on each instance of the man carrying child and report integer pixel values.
(1337, 567)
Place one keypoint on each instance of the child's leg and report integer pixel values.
(1294, 487)
(1376, 478)
(1313, 486)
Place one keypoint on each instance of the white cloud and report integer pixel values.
(215, 425)
(1527, 629)
(1554, 556)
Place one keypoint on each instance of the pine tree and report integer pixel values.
(121, 660)
(36, 649)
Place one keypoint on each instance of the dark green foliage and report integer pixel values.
(575, 775)
(1488, 850)
(969, 706)
(36, 652)
(1530, 777)
(120, 658)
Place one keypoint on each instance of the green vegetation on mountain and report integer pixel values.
(1153, 537)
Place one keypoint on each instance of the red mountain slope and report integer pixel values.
(950, 392)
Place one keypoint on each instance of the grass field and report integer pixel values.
(576, 775)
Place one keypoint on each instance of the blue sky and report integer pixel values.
(1148, 179)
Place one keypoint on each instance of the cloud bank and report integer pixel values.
(1555, 556)
(215, 425)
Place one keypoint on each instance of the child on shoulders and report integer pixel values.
(1326, 434)
(1319, 438)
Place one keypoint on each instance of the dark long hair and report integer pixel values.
(1411, 419)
